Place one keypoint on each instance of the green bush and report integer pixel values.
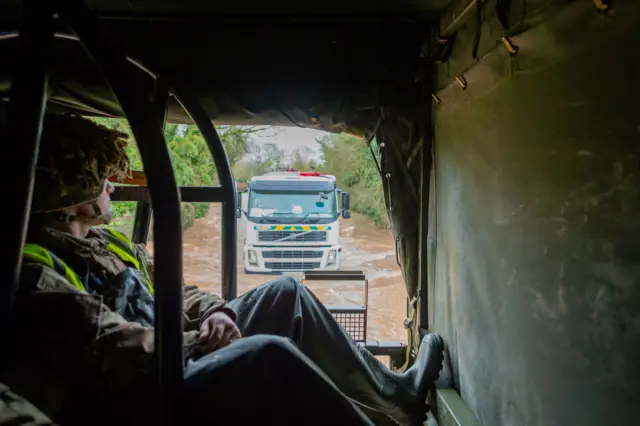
(188, 212)
(192, 162)
(351, 161)
(201, 209)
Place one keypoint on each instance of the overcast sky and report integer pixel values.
(290, 138)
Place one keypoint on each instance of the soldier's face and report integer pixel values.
(88, 213)
(104, 201)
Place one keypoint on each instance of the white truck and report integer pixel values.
(292, 222)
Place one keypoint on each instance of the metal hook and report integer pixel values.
(461, 80)
(513, 50)
(602, 4)
(388, 176)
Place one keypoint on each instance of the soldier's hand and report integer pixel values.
(217, 331)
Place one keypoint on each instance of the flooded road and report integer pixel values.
(364, 247)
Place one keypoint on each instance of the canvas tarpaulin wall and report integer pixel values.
(398, 139)
(536, 216)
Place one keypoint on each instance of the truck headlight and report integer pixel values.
(331, 259)
(253, 258)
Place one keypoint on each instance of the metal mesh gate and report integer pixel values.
(352, 318)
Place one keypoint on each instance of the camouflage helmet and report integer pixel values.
(76, 157)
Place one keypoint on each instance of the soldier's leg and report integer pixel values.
(284, 307)
(263, 380)
(17, 411)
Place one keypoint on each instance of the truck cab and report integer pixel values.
(292, 222)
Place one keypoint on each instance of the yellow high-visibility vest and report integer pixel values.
(117, 243)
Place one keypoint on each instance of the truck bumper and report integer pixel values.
(275, 260)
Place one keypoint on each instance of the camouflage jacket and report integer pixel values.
(80, 335)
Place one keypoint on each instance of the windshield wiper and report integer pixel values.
(262, 219)
(306, 216)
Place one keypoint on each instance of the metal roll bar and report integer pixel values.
(163, 190)
(28, 99)
(143, 209)
(227, 197)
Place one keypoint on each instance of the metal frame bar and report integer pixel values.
(26, 111)
(227, 192)
(334, 276)
(458, 13)
(61, 35)
(142, 221)
(164, 193)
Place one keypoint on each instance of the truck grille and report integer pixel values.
(292, 254)
(300, 235)
(299, 266)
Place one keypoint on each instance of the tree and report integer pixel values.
(300, 159)
(351, 161)
(192, 161)
(270, 156)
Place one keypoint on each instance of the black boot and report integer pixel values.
(406, 394)
(426, 369)
(422, 375)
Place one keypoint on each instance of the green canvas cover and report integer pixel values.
(536, 218)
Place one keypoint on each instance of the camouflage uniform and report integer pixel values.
(17, 411)
(100, 342)
(88, 347)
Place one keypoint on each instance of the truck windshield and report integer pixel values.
(292, 204)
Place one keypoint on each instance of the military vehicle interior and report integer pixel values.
(509, 137)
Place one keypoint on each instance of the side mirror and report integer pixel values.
(346, 214)
(239, 205)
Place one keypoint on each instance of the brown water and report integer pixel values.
(364, 247)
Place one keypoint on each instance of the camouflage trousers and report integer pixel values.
(295, 365)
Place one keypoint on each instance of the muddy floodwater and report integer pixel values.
(364, 247)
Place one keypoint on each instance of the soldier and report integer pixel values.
(86, 313)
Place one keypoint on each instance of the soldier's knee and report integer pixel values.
(267, 344)
(288, 285)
